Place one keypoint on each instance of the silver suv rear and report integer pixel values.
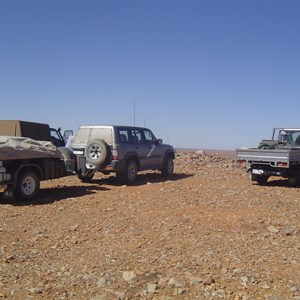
(121, 149)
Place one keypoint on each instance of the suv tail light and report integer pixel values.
(114, 154)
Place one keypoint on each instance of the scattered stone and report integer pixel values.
(176, 282)
(101, 282)
(129, 275)
(208, 280)
(273, 229)
(288, 231)
(151, 287)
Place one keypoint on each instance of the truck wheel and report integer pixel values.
(28, 185)
(130, 174)
(168, 168)
(96, 152)
(66, 153)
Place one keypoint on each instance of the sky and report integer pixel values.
(216, 74)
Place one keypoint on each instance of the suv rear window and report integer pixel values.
(124, 136)
(86, 134)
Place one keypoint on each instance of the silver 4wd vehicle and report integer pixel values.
(121, 149)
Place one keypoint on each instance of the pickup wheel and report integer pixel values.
(28, 185)
(96, 152)
(168, 168)
(261, 180)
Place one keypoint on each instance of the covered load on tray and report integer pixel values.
(26, 148)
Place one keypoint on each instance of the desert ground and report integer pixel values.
(208, 232)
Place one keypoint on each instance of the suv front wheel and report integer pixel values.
(168, 168)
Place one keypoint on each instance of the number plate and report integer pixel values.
(77, 152)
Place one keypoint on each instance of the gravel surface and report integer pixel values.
(206, 233)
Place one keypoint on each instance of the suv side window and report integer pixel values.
(136, 136)
(149, 137)
(123, 136)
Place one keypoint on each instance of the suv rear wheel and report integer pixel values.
(96, 152)
(87, 177)
(130, 174)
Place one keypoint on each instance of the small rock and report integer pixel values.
(101, 282)
(245, 280)
(265, 286)
(36, 290)
(208, 281)
(176, 282)
(288, 231)
(129, 275)
(273, 229)
(151, 287)
(74, 227)
(120, 295)
(200, 152)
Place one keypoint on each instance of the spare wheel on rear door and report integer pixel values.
(96, 152)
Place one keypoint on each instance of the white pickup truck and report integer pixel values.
(279, 156)
(24, 162)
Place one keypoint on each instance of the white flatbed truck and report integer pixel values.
(279, 156)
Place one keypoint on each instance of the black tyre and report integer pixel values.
(293, 181)
(130, 174)
(96, 152)
(168, 169)
(69, 160)
(66, 153)
(86, 177)
(260, 179)
(28, 185)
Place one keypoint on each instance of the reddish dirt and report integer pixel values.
(206, 233)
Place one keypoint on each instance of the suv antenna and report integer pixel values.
(134, 112)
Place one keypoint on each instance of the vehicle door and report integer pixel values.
(148, 149)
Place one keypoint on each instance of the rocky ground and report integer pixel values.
(206, 233)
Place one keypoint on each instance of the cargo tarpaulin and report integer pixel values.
(25, 148)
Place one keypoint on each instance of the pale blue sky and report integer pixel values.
(203, 74)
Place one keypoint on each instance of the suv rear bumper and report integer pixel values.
(114, 166)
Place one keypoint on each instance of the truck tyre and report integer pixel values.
(28, 185)
(66, 153)
(130, 173)
(168, 168)
(96, 152)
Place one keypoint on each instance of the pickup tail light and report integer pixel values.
(282, 164)
(241, 161)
